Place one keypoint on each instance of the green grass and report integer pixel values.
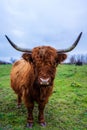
(67, 107)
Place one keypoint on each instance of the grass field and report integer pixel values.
(67, 107)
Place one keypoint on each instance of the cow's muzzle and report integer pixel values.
(44, 81)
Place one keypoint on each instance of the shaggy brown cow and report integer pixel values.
(32, 77)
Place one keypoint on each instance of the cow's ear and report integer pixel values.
(61, 58)
(27, 57)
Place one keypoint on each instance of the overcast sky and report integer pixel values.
(31, 23)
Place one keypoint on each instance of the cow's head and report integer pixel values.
(45, 60)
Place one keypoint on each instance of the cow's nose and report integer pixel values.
(44, 81)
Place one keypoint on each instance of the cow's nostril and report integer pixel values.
(44, 81)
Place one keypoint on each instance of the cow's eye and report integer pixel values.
(33, 61)
(54, 63)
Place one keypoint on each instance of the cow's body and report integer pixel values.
(23, 83)
(27, 75)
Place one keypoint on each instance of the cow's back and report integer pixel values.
(22, 76)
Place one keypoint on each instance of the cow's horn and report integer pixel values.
(72, 47)
(17, 47)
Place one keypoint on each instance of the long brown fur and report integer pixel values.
(25, 77)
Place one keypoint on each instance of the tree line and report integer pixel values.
(78, 59)
(11, 61)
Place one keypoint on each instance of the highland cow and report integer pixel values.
(32, 77)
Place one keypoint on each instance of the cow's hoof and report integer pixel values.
(43, 124)
(29, 125)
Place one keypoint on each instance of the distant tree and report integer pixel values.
(12, 60)
(86, 59)
(72, 59)
(82, 58)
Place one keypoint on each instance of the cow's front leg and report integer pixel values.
(30, 105)
(41, 119)
(30, 115)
